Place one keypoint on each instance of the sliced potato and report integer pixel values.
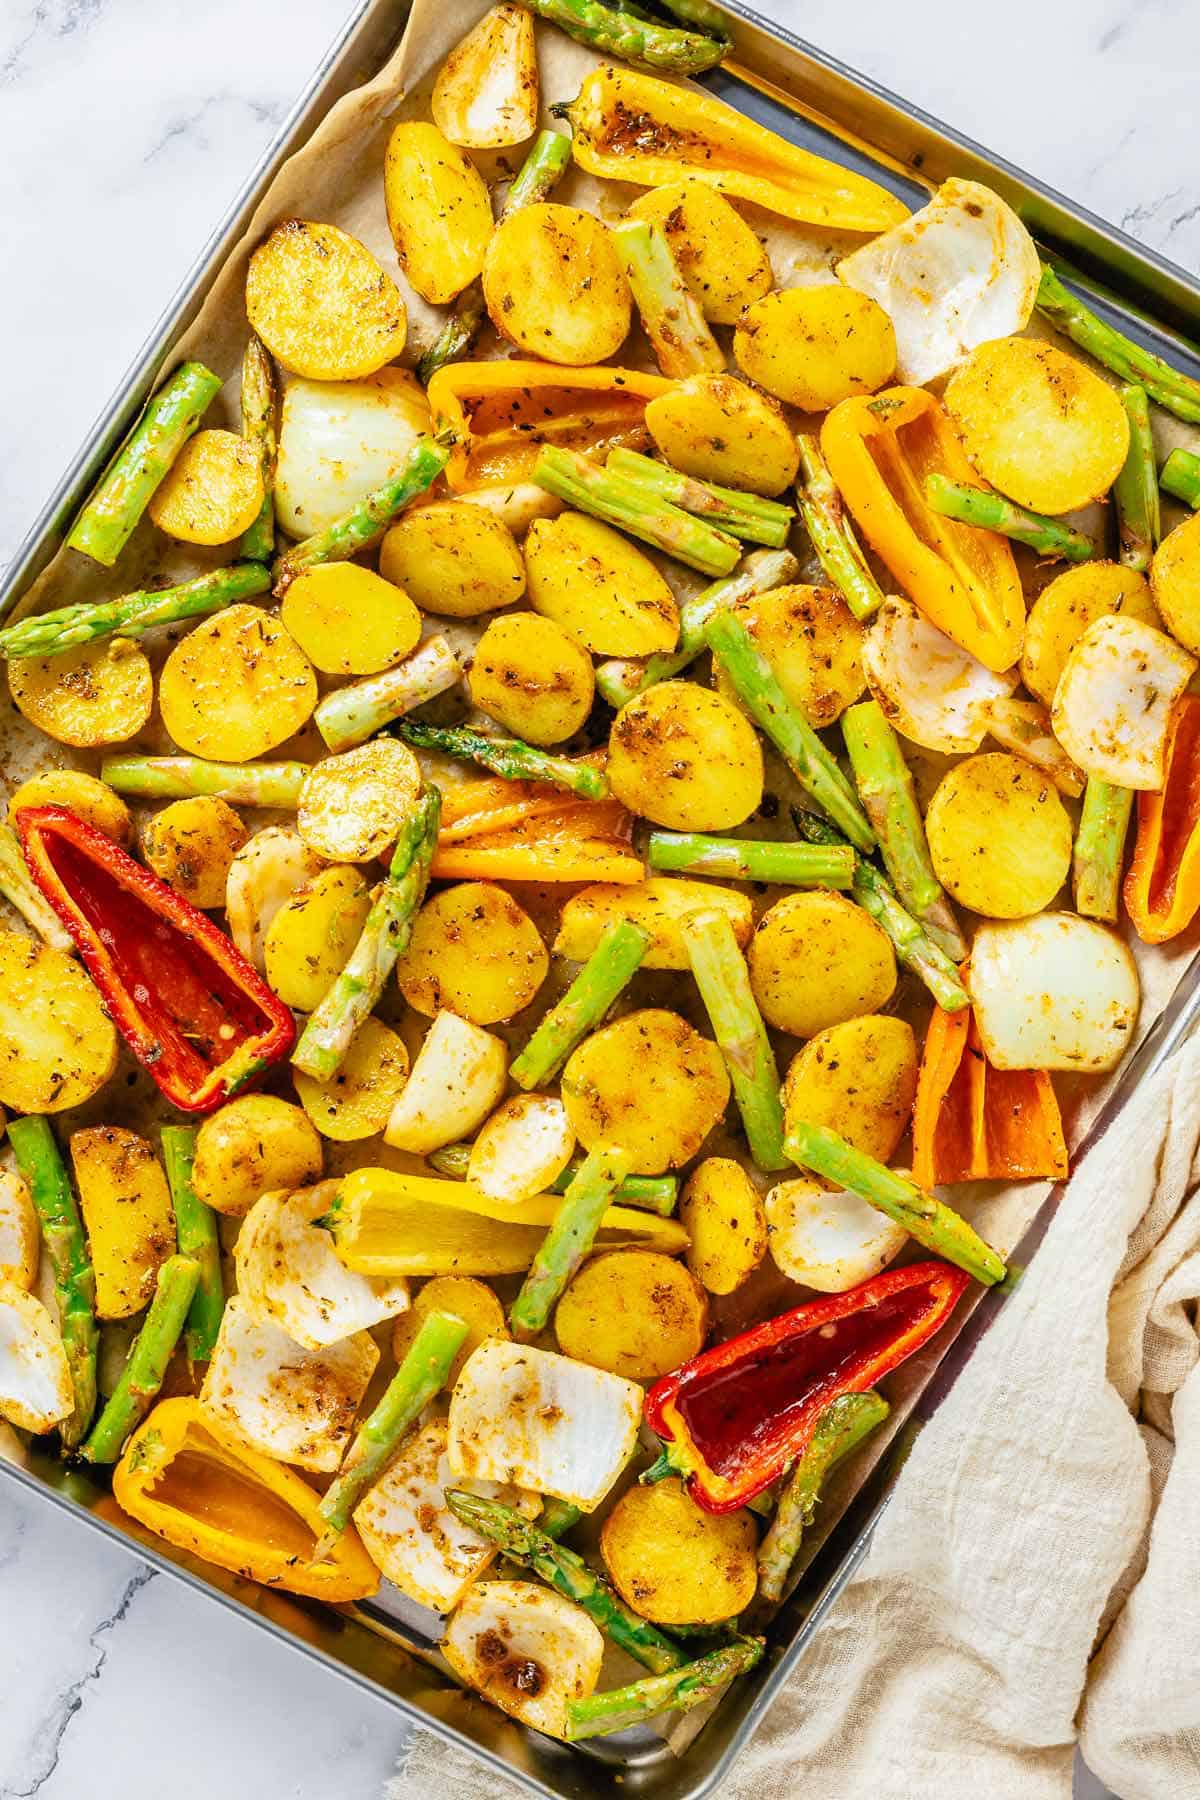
(311, 936)
(522, 1148)
(999, 836)
(35, 1378)
(533, 678)
(504, 965)
(454, 558)
(675, 1564)
(127, 1210)
(58, 1046)
(526, 1649)
(722, 1212)
(252, 1146)
(101, 693)
(289, 1274)
(1113, 703)
(650, 1083)
(658, 906)
(357, 1102)
(635, 1313)
(438, 210)
(860, 1079)
(1055, 992)
(192, 844)
(813, 643)
(212, 492)
(470, 1300)
(555, 287)
(716, 251)
(352, 805)
(20, 1234)
(817, 960)
(339, 441)
(1038, 424)
(236, 686)
(1175, 579)
(92, 800)
(268, 868)
(458, 1076)
(1066, 607)
(828, 1241)
(486, 93)
(718, 429)
(602, 591)
(322, 304)
(686, 758)
(815, 346)
(348, 621)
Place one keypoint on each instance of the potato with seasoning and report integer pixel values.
(718, 428)
(650, 1083)
(236, 687)
(310, 938)
(101, 693)
(635, 1313)
(555, 287)
(1175, 582)
(658, 906)
(722, 1212)
(675, 1564)
(357, 1102)
(58, 1045)
(473, 952)
(127, 1210)
(813, 643)
(252, 1146)
(816, 960)
(352, 805)
(685, 758)
(212, 491)
(349, 621)
(453, 558)
(718, 255)
(815, 346)
(533, 678)
(93, 800)
(999, 836)
(599, 587)
(858, 1078)
(191, 844)
(321, 303)
(470, 1300)
(438, 210)
(1066, 607)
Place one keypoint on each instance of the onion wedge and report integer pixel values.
(828, 1241)
(526, 1649)
(1113, 703)
(1053, 992)
(35, 1380)
(339, 440)
(289, 1275)
(931, 689)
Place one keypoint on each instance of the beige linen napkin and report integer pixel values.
(1037, 1574)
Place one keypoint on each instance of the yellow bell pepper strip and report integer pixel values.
(187, 1480)
(529, 831)
(881, 452)
(633, 127)
(1162, 888)
(499, 414)
(972, 1122)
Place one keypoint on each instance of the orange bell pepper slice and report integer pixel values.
(972, 1122)
(1162, 886)
(880, 452)
(529, 831)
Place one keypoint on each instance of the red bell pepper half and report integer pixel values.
(198, 1018)
(736, 1416)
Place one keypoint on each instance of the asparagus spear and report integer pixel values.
(721, 975)
(935, 1225)
(885, 786)
(127, 486)
(146, 1368)
(650, 46)
(589, 488)
(623, 679)
(558, 1516)
(40, 1162)
(751, 859)
(196, 1229)
(508, 757)
(652, 1193)
(52, 633)
(535, 180)
(331, 1029)
(419, 1378)
(350, 715)
(607, 970)
(670, 313)
(747, 516)
(992, 512)
(183, 777)
(1181, 477)
(568, 1240)
(1177, 392)
(258, 428)
(838, 550)
(1100, 849)
(22, 892)
(842, 1426)
(1136, 487)
(616, 1709)
(360, 527)
(705, 17)
(802, 750)
(534, 1548)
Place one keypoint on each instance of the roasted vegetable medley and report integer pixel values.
(621, 822)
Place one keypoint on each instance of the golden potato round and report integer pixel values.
(1066, 607)
(352, 805)
(468, 1299)
(675, 1564)
(438, 210)
(813, 643)
(102, 693)
(999, 836)
(685, 758)
(212, 492)
(357, 1102)
(650, 1083)
(322, 304)
(1175, 580)
(635, 1313)
(658, 905)
(603, 591)
(716, 428)
(191, 844)
(858, 1078)
(93, 800)
(817, 960)
(454, 558)
(473, 952)
(815, 346)
(58, 1046)
(722, 1212)
(349, 621)
(533, 678)
(554, 285)
(1038, 424)
(716, 251)
(308, 942)
(236, 687)
(253, 1146)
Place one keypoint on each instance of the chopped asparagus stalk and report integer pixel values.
(724, 982)
(648, 45)
(196, 1229)
(651, 1193)
(1177, 392)
(22, 892)
(508, 757)
(842, 1426)
(1139, 520)
(705, 17)
(935, 1225)
(885, 787)
(669, 311)
(535, 1548)
(567, 1242)
(53, 633)
(751, 859)
(992, 512)
(1100, 849)
(810, 762)
(558, 1516)
(40, 1162)
(747, 516)
(616, 1709)
(359, 528)
(258, 428)
(127, 486)
(1181, 477)
(590, 488)
(184, 777)
(350, 715)
(831, 533)
(146, 1368)
(326, 1039)
(609, 968)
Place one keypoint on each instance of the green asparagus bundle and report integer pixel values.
(992, 512)
(842, 1426)
(670, 313)
(557, 1517)
(146, 1368)
(589, 488)
(662, 48)
(649, 1193)
(350, 715)
(508, 757)
(609, 968)
(616, 1709)
(724, 982)
(1177, 392)
(22, 892)
(128, 485)
(186, 777)
(332, 1028)
(1100, 849)
(196, 1230)
(1181, 477)
(568, 1240)
(52, 633)
(751, 859)
(831, 533)
(258, 428)
(359, 528)
(747, 516)
(1135, 490)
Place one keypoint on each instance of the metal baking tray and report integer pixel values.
(819, 103)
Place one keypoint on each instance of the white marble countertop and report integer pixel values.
(128, 124)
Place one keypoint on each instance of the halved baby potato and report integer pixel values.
(675, 1564)
(650, 1083)
(813, 643)
(817, 960)
(1066, 607)
(658, 906)
(253, 1145)
(311, 936)
(236, 686)
(602, 590)
(212, 492)
(717, 428)
(635, 1313)
(349, 621)
(191, 844)
(470, 1300)
(533, 678)
(722, 1211)
(860, 1079)
(1175, 580)
(453, 558)
(816, 346)
(91, 799)
(357, 1102)
(555, 287)
(685, 757)
(999, 836)
(438, 210)
(717, 252)
(504, 964)
(58, 1045)
(101, 693)
(322, 304)
(352, 805)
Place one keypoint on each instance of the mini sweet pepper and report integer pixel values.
(972, 1122)
(1162, 887)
